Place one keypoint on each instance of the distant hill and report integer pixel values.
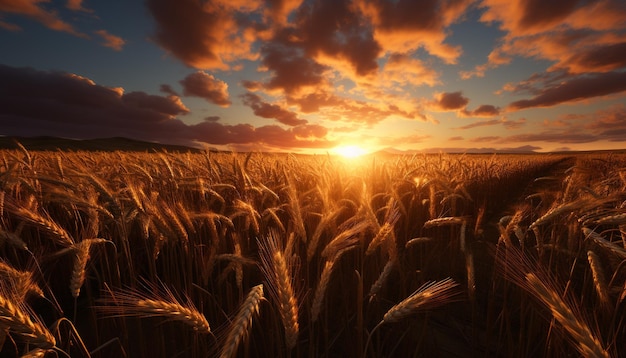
(100, 144)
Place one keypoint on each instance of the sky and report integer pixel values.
(313, 76)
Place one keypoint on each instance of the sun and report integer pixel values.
(349, 151)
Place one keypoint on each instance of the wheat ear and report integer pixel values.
(320, 291)
(599, 279)
(14, 318)
(586, 342)
(175, 311)
(81, 252)
(276, 269)
(429, 295)
(240, 327)
(132, 303)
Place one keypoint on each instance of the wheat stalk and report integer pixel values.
(240, 327)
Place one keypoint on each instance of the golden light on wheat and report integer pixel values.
(350, 151)
(220, 254)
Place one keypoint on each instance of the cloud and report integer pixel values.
(402, 69)
(576, 89)
(485, 110)
(35, 10)
(292, 71)
(334, 29)
(203, 85)
(306, 136)
(576, 36)
(508, 124)
(111, 41)
(406, 25)
(267, 110)
(204, 35)
(485, 139)
(450, 101)
(481, 124)
(602, 125)
(76, 5)
(36, 103)
(165, 88)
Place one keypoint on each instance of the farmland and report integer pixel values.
(217, 254)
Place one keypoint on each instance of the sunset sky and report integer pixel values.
(308, 76)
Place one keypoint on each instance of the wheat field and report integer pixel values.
(130, 254)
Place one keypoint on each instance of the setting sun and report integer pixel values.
(350, 151)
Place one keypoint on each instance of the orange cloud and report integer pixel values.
(76, 5)
(203, 85)
(204, 35)
(111, 41)
(576, 36)
(401, 69)
(406, 25)
(34, 10)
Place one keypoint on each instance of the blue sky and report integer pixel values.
(310, 76)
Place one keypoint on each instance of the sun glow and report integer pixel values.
(349, 151)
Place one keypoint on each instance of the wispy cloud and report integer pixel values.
(111, 41)
(35, 10)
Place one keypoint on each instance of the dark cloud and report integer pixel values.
(267, 110)
(312, 102)
(450, 101)
(165, 88)
(539, 13)
(252, 85)
(305, 136)
(598, 59)
(485, 110)
(36, 103)
(292, 70)
(203, 85)
(577, 89)
(334, 29)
